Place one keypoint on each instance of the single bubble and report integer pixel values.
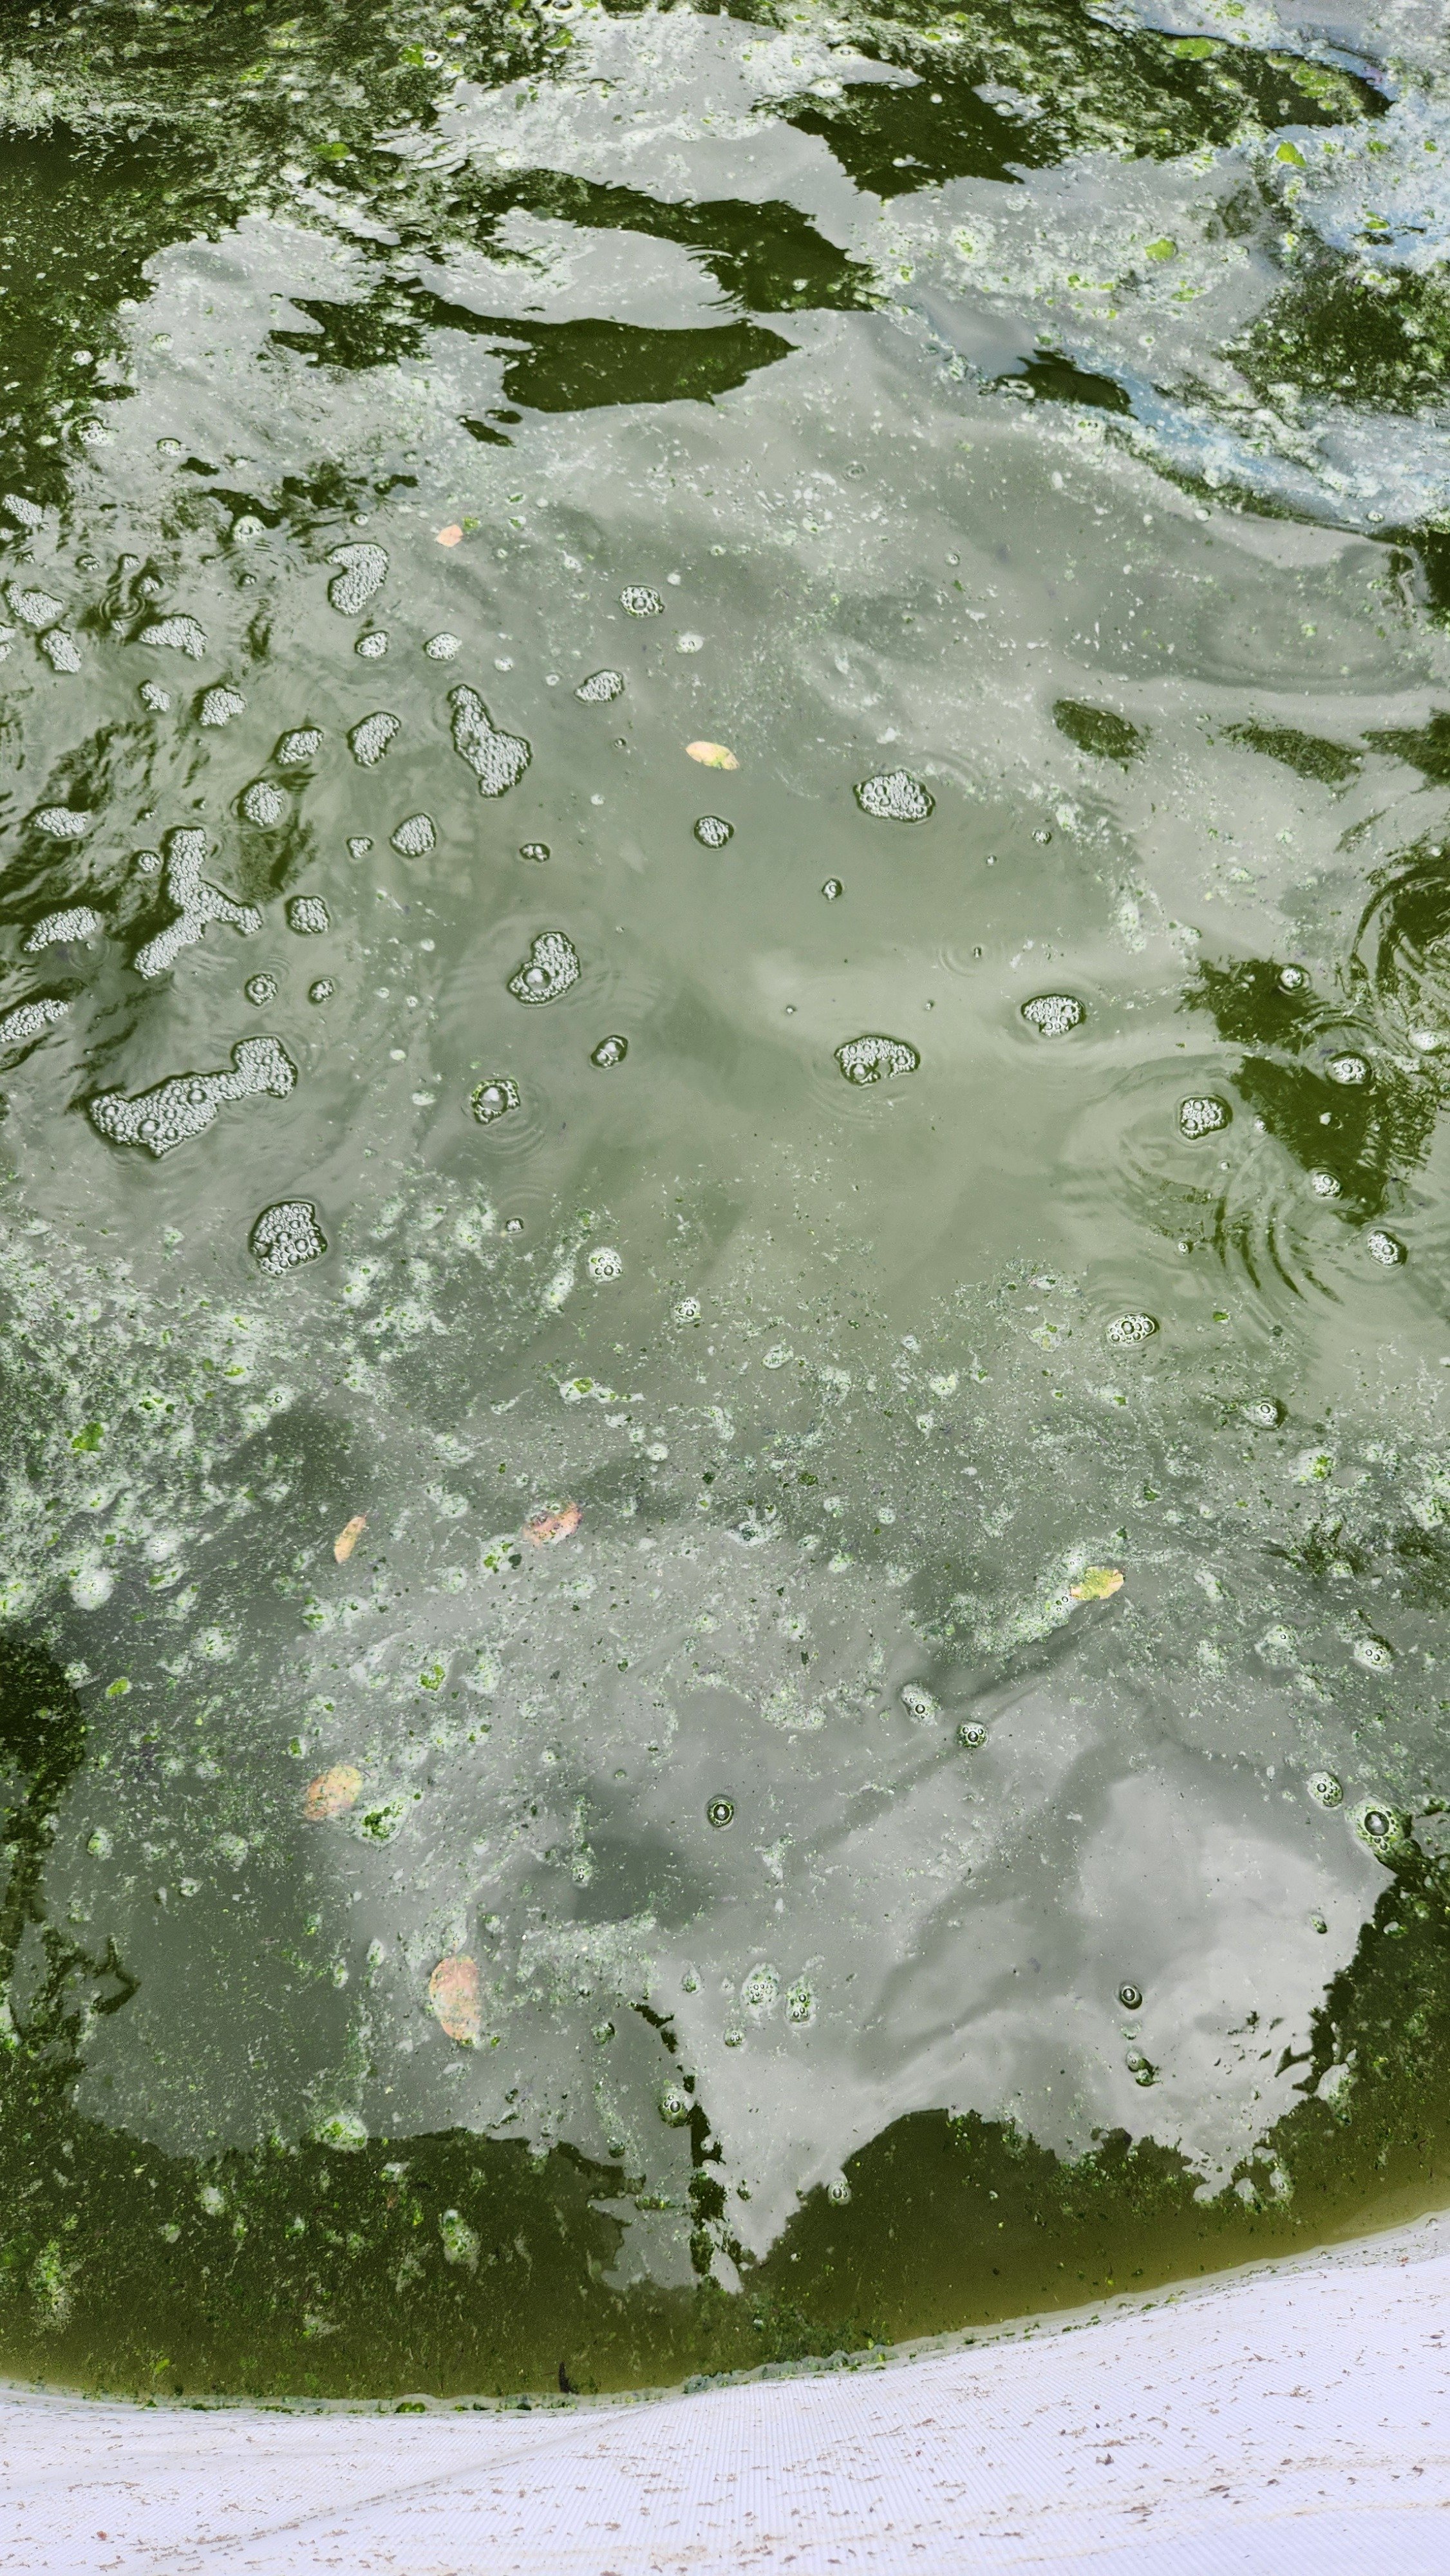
(1291, 978)
(833, 889)
(286, 1235)
(973, 1735)
(675, 2106)
(610, 1051)
(1054, 1015)
(1324, 1185)
(637, 601)
(720, 1813)
(538, 851)
(1384, 1248)
(918, 1703)
(873, 1059)
(513, 1225)
(1203, 1115)
(838, 2190)
(261, 989)
(602, 2033)
(494, 1098)
(1263, 1411)
(1378, 1825)
(605, 1263)
(1130, 1997)
(712, 831)
(894, 797)
(1324, 1789)
(1347, 1070)
(689, 643)
(1374, 1653)
(687, 1310)
(1125, 1330)
(600, 687)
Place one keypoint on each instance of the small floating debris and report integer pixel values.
(452, 535)
(1097, 1583)
(711, 755)
(454, 1998)
(546, 1528)
(332, 1793)
(348, 1536)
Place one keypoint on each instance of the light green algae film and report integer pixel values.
(725, 914)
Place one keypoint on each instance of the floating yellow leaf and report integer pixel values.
(712, 755)
(331, 1793)
(546, 1528)
(1099, 1583)
(451, 536)
(347, 1539)
(453, 1997)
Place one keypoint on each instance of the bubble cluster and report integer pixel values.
(1203, 1114)
(362, 571)
(263, 804)
(155, 697)
(551, 966)
(610, 1051)
(894, 796)
(26, 514)
(600, 687)
(61, 650)
(261, 989)
(605, 1263)
(176, 635)
(498, 760)
(443, 648)
(637, 601)
(322, 990)
(414, 837)
(1324, 1789)
(369, 740)
(286, 1235)
(874, 1059)
(495, 1098)
(1264, 1412)
(187, 1105)
(220, 705)
(538, 851)
(307, 914)
(1378, 1825)
(1125, 1330)
(79, 923)
(1324, 1185)
(712, 831)
(303, 743)
(1054, 1015)
(63, 822)
(30, 1020)
(373, 645)
(1347, 1069)
(1375, 1653)
(1384, 1248)
(197, 902)
(34, 607)
(972, 1736)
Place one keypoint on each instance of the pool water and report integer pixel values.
(726, 844)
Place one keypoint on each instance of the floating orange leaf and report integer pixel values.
(331, 1793)
(452, 536)
(347, 1539)
(453, 1998)
(1098, 1583)
(547, 1528)
(712, 755)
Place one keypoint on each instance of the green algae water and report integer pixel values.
(725, 823)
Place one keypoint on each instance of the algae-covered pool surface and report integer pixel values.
(725, 823)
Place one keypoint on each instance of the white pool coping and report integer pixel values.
(1291, 2421)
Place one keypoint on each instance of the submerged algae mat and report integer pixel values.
(725, 1519)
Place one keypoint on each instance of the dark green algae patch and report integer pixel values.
(459, 2266)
